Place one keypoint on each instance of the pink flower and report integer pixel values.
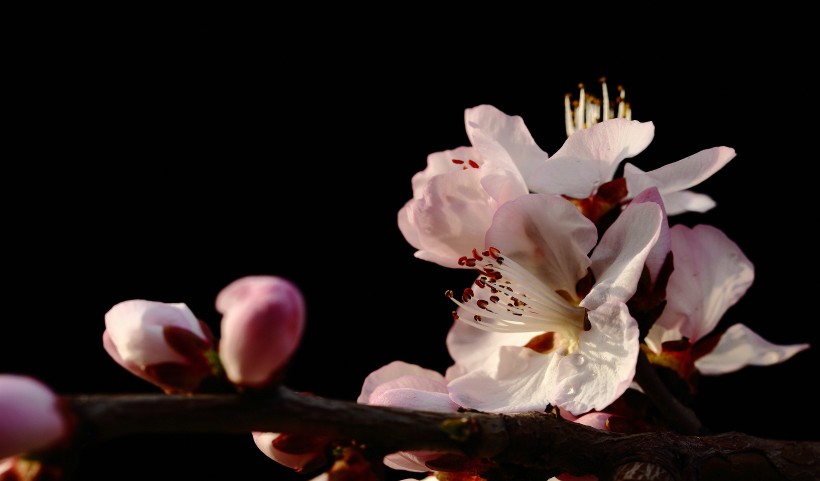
(455, 197)
(262, 324)
(536, 329)
(404, 385)
(30, 416)
(162, 343)
(711, 274)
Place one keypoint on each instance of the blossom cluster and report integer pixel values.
(581, 273)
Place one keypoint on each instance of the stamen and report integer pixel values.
(459, 162)
(473, 164)
(526, 303)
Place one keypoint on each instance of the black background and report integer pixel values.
(160, 166)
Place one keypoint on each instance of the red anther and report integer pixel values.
(470, 262)
(455, 315)
(473, 164)
(477, 318)
(494, 298)
(459, 162)
(476, 256)
(480, 283)
(482, 303)
(485, 253)
(494, 253)
(462, 260)
(469, 292)
(448, 293)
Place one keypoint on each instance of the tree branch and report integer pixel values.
(536, 442)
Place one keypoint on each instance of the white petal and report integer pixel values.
(505, 138)
(739, 347)
(470, 347)
(512, 380)
(594, 420)
(547, 235)
(687, 201)
(407, 225)
(679, 175)
(590, 157)
(415, 399)
(604, 364)
(394, 370)
(619, 258)
(711, 274)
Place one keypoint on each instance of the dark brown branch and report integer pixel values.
(534, 441)
(679, 416)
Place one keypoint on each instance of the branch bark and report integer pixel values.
(536, 442)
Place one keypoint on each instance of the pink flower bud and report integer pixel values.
(262, 324)
(165, 344)
(30, 418)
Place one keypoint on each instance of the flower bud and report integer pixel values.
(262, 324)
(30, 417)
(165, 344)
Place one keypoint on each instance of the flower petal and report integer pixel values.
(679, 175)
(711, 274)
(409, 460)
(619, 258)
(590, 157)
(739, 346)
(503, 138)
(390, 372)
(657, 255)
(470, 347)
(441, 163)
(687, 201)
(450, 218)
(547, 235)
(513, 380)
(604, 364)
(415, 399)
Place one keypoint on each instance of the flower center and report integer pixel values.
(589, 109)
(509, 298)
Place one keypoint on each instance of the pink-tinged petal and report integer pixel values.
(393, 371)
(602, 368)
(454, 371)
(595, 420)
(30, 417)
(415, 399)
(590, 157)
(132, 367)
(137, 329)
(266, 442)
(711, 274)
(443, 162)
(264, 317)
(451, 217)
(658, 253)
(547, 235)
(470, 347)
(687, 201)
(740, 347)
(619, 258)
(504, 138)
(407, 226)
(409, 460)
(679, 175)
(503, 185)
(512, 380)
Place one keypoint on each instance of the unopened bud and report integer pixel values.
(262, 324)
(165, 344)
(30, 416)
